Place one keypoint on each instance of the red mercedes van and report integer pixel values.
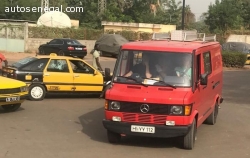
(164, 88)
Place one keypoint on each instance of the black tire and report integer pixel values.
(190, 138)
(60, 53)
(11, 107)
(113, 137)
(37, 92)
(41, 51)
(211, 120)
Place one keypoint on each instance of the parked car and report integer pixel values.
(12, 94)
(236, 46)
(49, 74)
(182, 91)
(63, 47)
(110, 44)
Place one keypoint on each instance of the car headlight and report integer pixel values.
(114, 105)
(176, 110)
(24, 89)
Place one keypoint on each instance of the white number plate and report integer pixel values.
(78, 48)
(142, 129)
(12, 99)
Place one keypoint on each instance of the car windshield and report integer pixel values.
(73, 42)
(23, 61)
(173, 69)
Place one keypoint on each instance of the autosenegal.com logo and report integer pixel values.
(42, 9)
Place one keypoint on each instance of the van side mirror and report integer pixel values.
(95, 72)
(204, 79)
(107, 74)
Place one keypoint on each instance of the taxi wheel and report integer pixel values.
(11, 108)
(36, 92)
(60, 53)
(190, 138)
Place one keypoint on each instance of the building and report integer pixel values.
(137, 27)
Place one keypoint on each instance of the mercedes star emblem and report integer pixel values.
(144, 108)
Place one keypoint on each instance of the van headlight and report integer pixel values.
(24, 89)
(114, 105)
(176, 110)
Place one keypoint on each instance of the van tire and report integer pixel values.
(40, 88)
(113, 137)
(190, 138)
(211, 120)
(11, 107)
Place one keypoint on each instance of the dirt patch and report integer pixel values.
(16, 55)
(247, 67)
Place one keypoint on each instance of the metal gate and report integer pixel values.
(12, 37)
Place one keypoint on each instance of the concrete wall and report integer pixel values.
(138, 27)
(32, 44)
(239, 38)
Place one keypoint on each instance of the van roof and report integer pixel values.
(164, 45)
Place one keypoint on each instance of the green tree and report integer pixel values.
(225, 15)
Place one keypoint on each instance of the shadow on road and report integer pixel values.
(93, 127)
(4, 112)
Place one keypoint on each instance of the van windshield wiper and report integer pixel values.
(130, 78)
(166, 84)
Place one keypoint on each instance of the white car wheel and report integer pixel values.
(37, 92)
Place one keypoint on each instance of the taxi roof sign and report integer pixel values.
(53, 54)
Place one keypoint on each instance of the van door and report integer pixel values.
(202, 93)
(57, 76)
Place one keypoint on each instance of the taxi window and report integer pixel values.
(37, 66)
(58, 65)
(81, 67)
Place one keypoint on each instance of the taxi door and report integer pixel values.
(85, 79)
(57, 76)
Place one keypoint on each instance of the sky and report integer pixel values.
(198, 6)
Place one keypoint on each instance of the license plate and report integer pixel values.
(78, 48)
(12, 99)
(142, 129)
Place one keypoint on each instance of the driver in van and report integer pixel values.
(186, 68)
(164, 67)
(142, 68)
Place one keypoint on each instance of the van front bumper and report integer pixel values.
(161, 131)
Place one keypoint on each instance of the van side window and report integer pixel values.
(207, 62)
(198, 67)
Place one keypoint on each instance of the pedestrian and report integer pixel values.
(2, 59)
(96, 58)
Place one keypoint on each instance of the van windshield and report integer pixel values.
(152, 68)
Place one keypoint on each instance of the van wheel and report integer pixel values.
(113, 137)
(211, 120)
(36, 92)
(11, 107)
(190, 138)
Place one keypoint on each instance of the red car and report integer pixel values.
(164, 89)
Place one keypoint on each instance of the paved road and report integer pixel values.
(63, 127)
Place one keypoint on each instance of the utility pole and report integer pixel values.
(44, 4)
(183, 15)
(101, 6)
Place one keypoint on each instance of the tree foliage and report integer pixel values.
(138, 11)
(227, 15)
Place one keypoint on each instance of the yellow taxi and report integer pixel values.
(248, 59)
(56, 74)
(12, 93)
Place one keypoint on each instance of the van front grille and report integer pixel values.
(144, 118)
